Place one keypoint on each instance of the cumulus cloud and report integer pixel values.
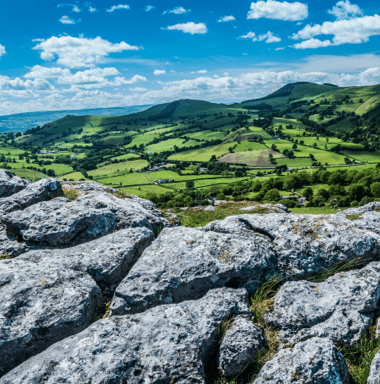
(177, 11)
(92, 9)
(18, 84)
(345, 10)
(2, 50)
(190, 27)
(68, 20)
(74, 52)
(201, 71)
(149, 8)
(45, 72)
(269, 37)
(117, 7)
(352, 31)
(226, 19)
(138, 89)
(278, 10)
(158, 72)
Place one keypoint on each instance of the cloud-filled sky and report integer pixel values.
(78, 54)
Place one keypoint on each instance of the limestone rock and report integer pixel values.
(59, 222)
(374, 375)
(41, 303)
(10, 184)
(9, 246)
(370, 207)
(107, 260)
(209, 208)
(184, 263)
(34, 193)
(307, 244)
(276, 208)
(240, 346)
(316, 361)
(88, 186)
(341, 308)
(166, 344)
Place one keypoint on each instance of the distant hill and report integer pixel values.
(24, 121)
(179, 108)
(288, 93)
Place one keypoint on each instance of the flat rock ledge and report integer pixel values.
(10, 184)
(166, 344)
(316, 361)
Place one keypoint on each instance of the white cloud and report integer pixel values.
(138, 89)
(92, 9)
(93, 75)
(201, 71)
(77, 52)
(149, 8)
(269, 37)
(68, 20)
(190, 27)
(76, 9)
(18, 84)
(2, 50)
(344, 10)
(278, 10)
(226, 19)
(45, 72)
(177, 11)
(158, 72)
(352, 31)
(117, 7)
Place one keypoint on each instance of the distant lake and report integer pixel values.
(24, 121)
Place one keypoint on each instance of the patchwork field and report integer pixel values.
(255, 158)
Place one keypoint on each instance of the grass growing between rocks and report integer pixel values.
(360, 356)
(195, 217)
(70, 194)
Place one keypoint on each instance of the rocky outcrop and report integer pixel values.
(308, 244)
(267, 208)
(166, 344)
(240, 346)
(10, 184)
(185, 263)
(107, 260)
(341, 308)
(41, 190)
(41, 303)
(315, 361)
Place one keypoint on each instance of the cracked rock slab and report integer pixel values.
(307, 244)
(316, 361)
(166, 344)
(41, 303)
(10, 184)
(107, 260)
(341, 308)
(184, 263)
(239, 347)
(374, 375)
(41, 190)
(276, 208)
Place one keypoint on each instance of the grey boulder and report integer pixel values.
(107, 259)
(316, 361)
(239, 347)
(41, 190)
(269, 208)
(41, 303)
(10, 184)
(166, 344)
(374, 375)
(184, 263)
(307, 244)
(341, 308)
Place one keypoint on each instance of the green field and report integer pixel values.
(118, 167)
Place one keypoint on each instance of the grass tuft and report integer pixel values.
(5, 256)
(70, 194)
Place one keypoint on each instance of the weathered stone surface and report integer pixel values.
(239, 347)
(9, 246)
(59, 222)
(341, 308)
(184, 263)
(88, 186)
(306, 244)
(209, 208)
(166, 344)
(34, 193)
(370, 207)
(374, 375)
(276, 208)
(41, 303)
(316, 361)
(107, 260)
(10, 184)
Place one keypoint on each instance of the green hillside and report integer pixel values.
(202, 145)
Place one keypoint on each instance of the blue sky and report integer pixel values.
(70, 55)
